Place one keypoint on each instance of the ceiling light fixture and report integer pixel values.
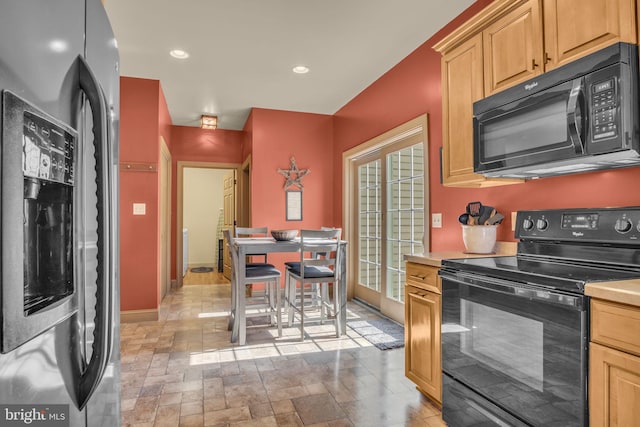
(179, 54)
(300, 69)
(208, 122)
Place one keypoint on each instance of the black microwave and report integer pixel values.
(580, 117)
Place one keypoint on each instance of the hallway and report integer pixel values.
(183, 371)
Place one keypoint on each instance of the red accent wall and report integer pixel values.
(144, 117)
(276, 137)
(412, 88)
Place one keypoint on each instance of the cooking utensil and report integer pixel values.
(473, 208)
(485, 213)
(495, 219)
(464, 219)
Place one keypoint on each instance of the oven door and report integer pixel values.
(543, 127)
(519, 348)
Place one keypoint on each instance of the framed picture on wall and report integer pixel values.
(294, 205)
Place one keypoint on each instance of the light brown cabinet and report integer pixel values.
(614, 365)
(423, 328)
(508, 42)
(512, 48)
(575, 28)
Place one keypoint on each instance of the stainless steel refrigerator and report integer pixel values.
(59, 285)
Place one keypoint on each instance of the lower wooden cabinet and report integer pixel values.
(423, 323)
(614, 390)
(614, 365)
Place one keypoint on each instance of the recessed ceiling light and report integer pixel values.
(58, 45)
(300, 69)
(180, 54)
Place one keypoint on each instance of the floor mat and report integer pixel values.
(382, 333)
(201, 270)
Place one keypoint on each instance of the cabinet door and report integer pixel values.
(461, 87)
(575, 28)
(614, 389)
(513, 48)
(422, 341)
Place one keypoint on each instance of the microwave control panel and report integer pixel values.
(604, 107)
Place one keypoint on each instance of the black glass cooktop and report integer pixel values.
(565, 275)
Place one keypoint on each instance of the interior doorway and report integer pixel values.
(196, 209)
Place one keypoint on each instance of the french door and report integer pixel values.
(390, 215)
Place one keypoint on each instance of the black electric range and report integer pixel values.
(516, 329)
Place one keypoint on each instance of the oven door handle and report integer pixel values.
(516, 289)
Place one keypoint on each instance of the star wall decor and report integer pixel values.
(293, 175)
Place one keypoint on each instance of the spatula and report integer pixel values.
(473, 209)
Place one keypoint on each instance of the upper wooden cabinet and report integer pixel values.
(512, 48)
(508, 42)
(575, 28)
(461, 87)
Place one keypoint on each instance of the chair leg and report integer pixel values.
(291, 298)
(324, 297)
(336, 307)
(301, 311)
(278, 307)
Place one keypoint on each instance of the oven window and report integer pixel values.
(525, 355)
(503, 341)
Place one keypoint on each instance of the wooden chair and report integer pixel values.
(254, 232)
(267, 305)
(319, 256)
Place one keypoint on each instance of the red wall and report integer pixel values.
(277, 136)
(413, 88)
(143, 115)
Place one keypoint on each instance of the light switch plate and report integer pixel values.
(436, 220)
(139, 208)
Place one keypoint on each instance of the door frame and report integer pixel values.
(350, 181)
(165, 219)
(181, 165)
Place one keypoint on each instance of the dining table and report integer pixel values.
(248, 246)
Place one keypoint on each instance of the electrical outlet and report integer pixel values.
(513, 220)
(139, 208)
(436, 220)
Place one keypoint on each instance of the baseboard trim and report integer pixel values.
(132, 316)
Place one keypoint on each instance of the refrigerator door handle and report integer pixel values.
(103, 334)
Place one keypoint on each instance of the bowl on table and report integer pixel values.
(284, 234)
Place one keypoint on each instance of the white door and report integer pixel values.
(390, 222)
(229, 216)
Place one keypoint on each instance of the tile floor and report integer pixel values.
(183, 371)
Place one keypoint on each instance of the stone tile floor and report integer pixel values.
(183, 371)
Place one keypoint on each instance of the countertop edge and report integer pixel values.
(434, 259)
(623, 291)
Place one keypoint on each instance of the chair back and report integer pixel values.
(251, 231)
(322, 245)
(339, 230)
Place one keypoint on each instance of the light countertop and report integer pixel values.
(434, 259)
(623, 291)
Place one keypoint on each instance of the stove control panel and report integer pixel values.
(598, 225)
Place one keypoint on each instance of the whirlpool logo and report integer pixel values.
(34, 415)
(530, 86)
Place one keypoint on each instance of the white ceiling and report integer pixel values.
(242, 51)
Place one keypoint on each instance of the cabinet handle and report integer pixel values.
(415, 276)
(547, 58)
(533, 63)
